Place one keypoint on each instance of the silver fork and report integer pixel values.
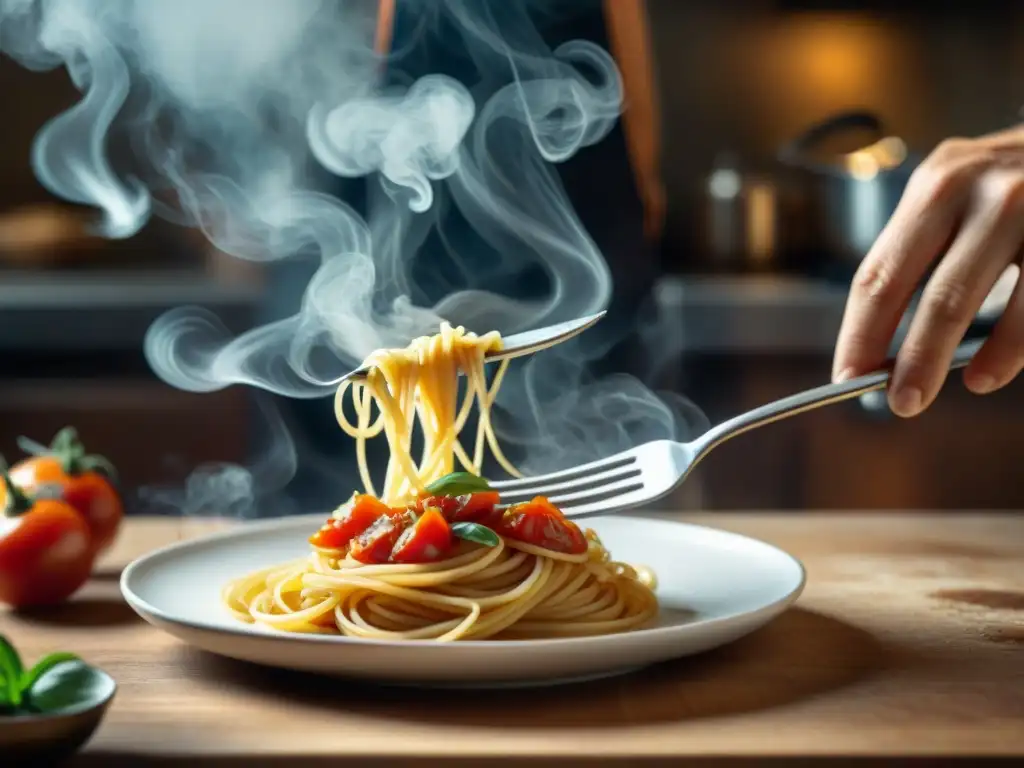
(648, 472)
(519, 344)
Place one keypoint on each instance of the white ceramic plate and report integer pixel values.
(713, 587)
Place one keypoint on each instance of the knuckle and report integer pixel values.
(1004, 193)
(952, 147)
(875, 281)
(877, 284)
(933, 180)
(949, 169)
(947, 302)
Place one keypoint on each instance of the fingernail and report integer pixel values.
(982, 384)
(906, 401)
(844, 375)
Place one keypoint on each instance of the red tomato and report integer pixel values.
(446, 505)
(65, 467)
(474, 507)
(360, 515)
(46, 554)
(478, 507)
(542, 524)
(374, 545)
(96, 500)
(427, 540)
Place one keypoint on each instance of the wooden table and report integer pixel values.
(909, 640)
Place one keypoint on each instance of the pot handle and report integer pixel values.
(795, 151)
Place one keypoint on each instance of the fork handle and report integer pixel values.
(816, 398)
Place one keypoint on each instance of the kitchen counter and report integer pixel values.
(771, 314)
(104, 310)
(909, 640)
(749, 313)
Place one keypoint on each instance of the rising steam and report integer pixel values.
(230, 106)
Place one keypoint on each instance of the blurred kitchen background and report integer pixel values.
(757, 256)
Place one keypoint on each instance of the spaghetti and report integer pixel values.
(423, 378)
(437, 556)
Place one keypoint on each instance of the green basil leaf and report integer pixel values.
(10, 671)
(458, 484)
(481, 534)
(44, 665)
(69, 685)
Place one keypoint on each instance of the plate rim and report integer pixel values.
(149, 611)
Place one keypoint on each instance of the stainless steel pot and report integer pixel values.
(852, 192)
(752, 219)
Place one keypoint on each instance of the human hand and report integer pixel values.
(963, 208)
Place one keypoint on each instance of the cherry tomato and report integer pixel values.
(83, 482)
(428, 539)
(337, 532)
(542, 524)
(97, 501)
(45, 551)
(374, 545)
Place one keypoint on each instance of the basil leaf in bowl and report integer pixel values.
(68, 685)
(47, 712)
(11, 671)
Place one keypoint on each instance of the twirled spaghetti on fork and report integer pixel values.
(436, 555)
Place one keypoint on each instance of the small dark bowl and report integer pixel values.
(54, 736)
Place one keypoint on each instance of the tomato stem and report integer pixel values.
(67, 449)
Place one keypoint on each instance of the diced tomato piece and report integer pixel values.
(540, 523)
(374, 545)
(427, 540)
(446, 505)
(336, 533)
(471, 507)
(478, 507)
(543, 503)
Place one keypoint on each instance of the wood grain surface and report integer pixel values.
(909, 640)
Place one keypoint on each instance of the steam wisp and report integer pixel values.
(232, 106)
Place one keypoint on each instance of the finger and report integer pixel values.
(1006, 138)
(989, 239)
(997, 299)
(1000, 358)
(919, 230)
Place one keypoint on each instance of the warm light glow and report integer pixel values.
(891, 151)
(761, 221)
(836, 53)
(862, 165)
(800, 68)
